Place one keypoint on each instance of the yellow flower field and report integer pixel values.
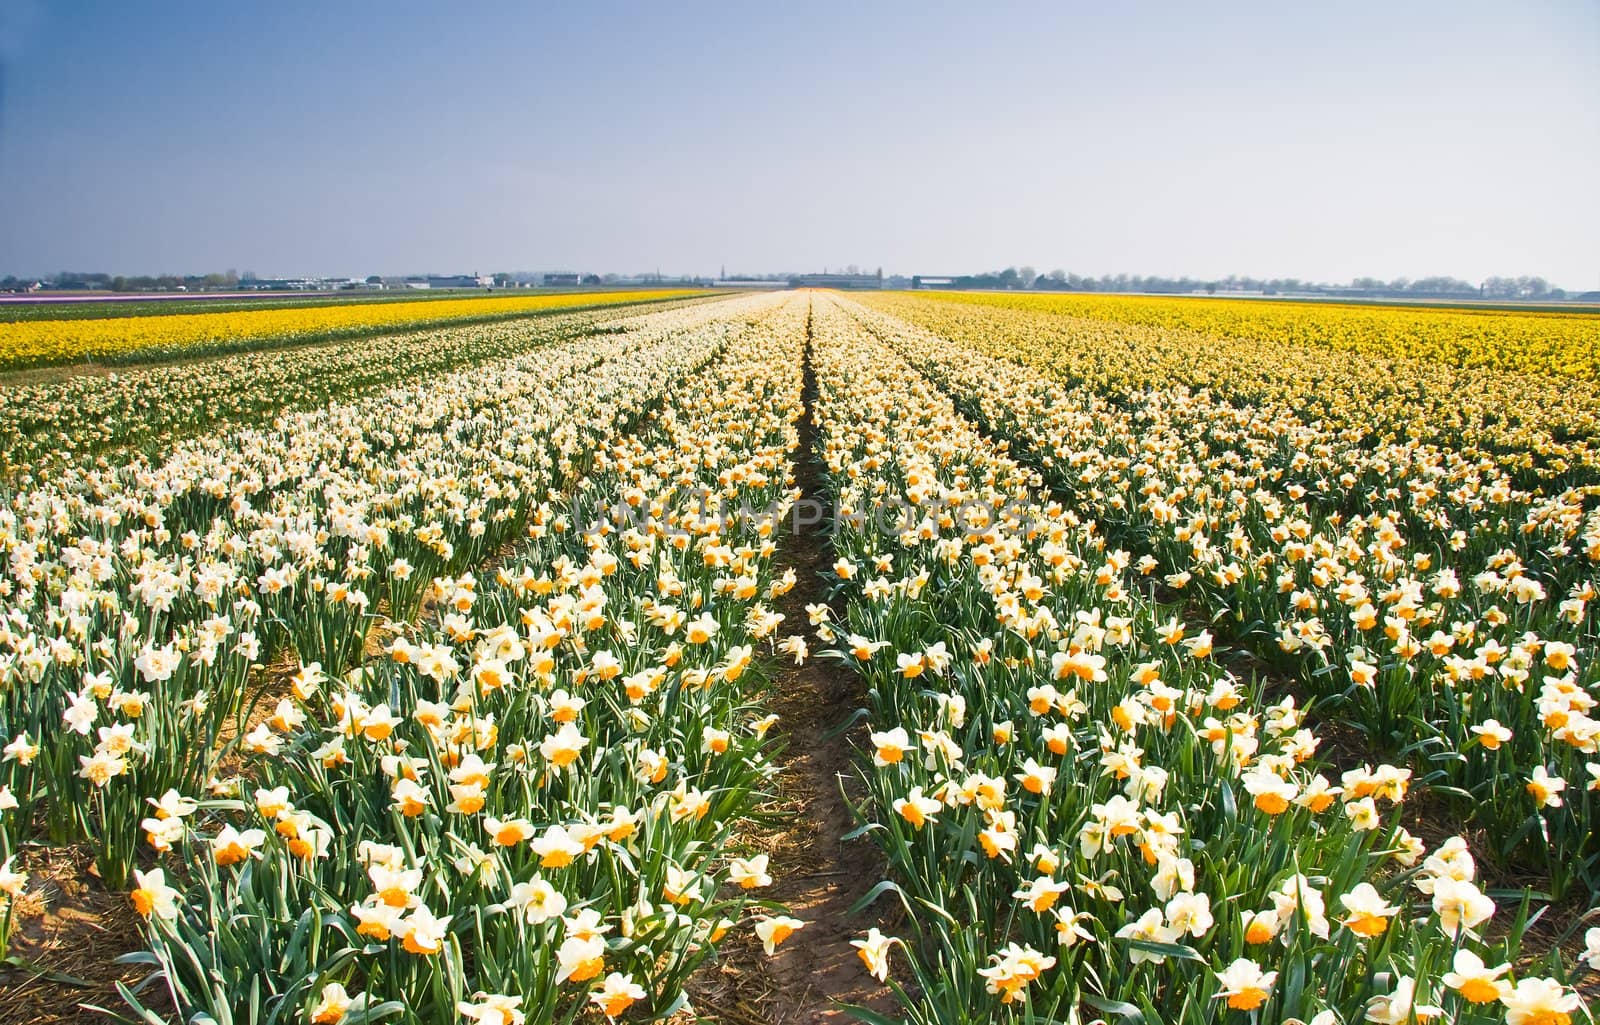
(1561, 344)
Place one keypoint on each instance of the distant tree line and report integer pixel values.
(82, 281)
(1421, 288)
(1437, 287)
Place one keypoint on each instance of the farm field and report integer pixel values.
(88, 306)
(141, 338)
(1157, 661)
(65, 419)
(1544, 341)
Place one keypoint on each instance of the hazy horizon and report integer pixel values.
(1321, 144)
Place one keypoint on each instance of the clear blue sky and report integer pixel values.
(1321, 141)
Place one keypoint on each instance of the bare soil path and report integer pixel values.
(816, 873)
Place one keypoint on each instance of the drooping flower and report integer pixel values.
(152, 897)
(774, 930)
(874, 953)
(1012, 969)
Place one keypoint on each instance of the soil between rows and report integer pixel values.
(816, 873)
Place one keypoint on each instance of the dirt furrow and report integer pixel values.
(817, 874)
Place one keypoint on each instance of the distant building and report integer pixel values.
(854, 281)
(561, 280)
(430, 281)
(459, 281)
(279, 285)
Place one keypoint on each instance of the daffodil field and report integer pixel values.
(123, 340)
(46, 424)
(1208, 672)
(1085, 807)
(1529, 341)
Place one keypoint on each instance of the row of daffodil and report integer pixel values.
(521, 810)
(123, 340)
(1538, 428)
(1433, 605)
(136, 599)
(1083, 812)
(1547, 342)
(48, 423)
